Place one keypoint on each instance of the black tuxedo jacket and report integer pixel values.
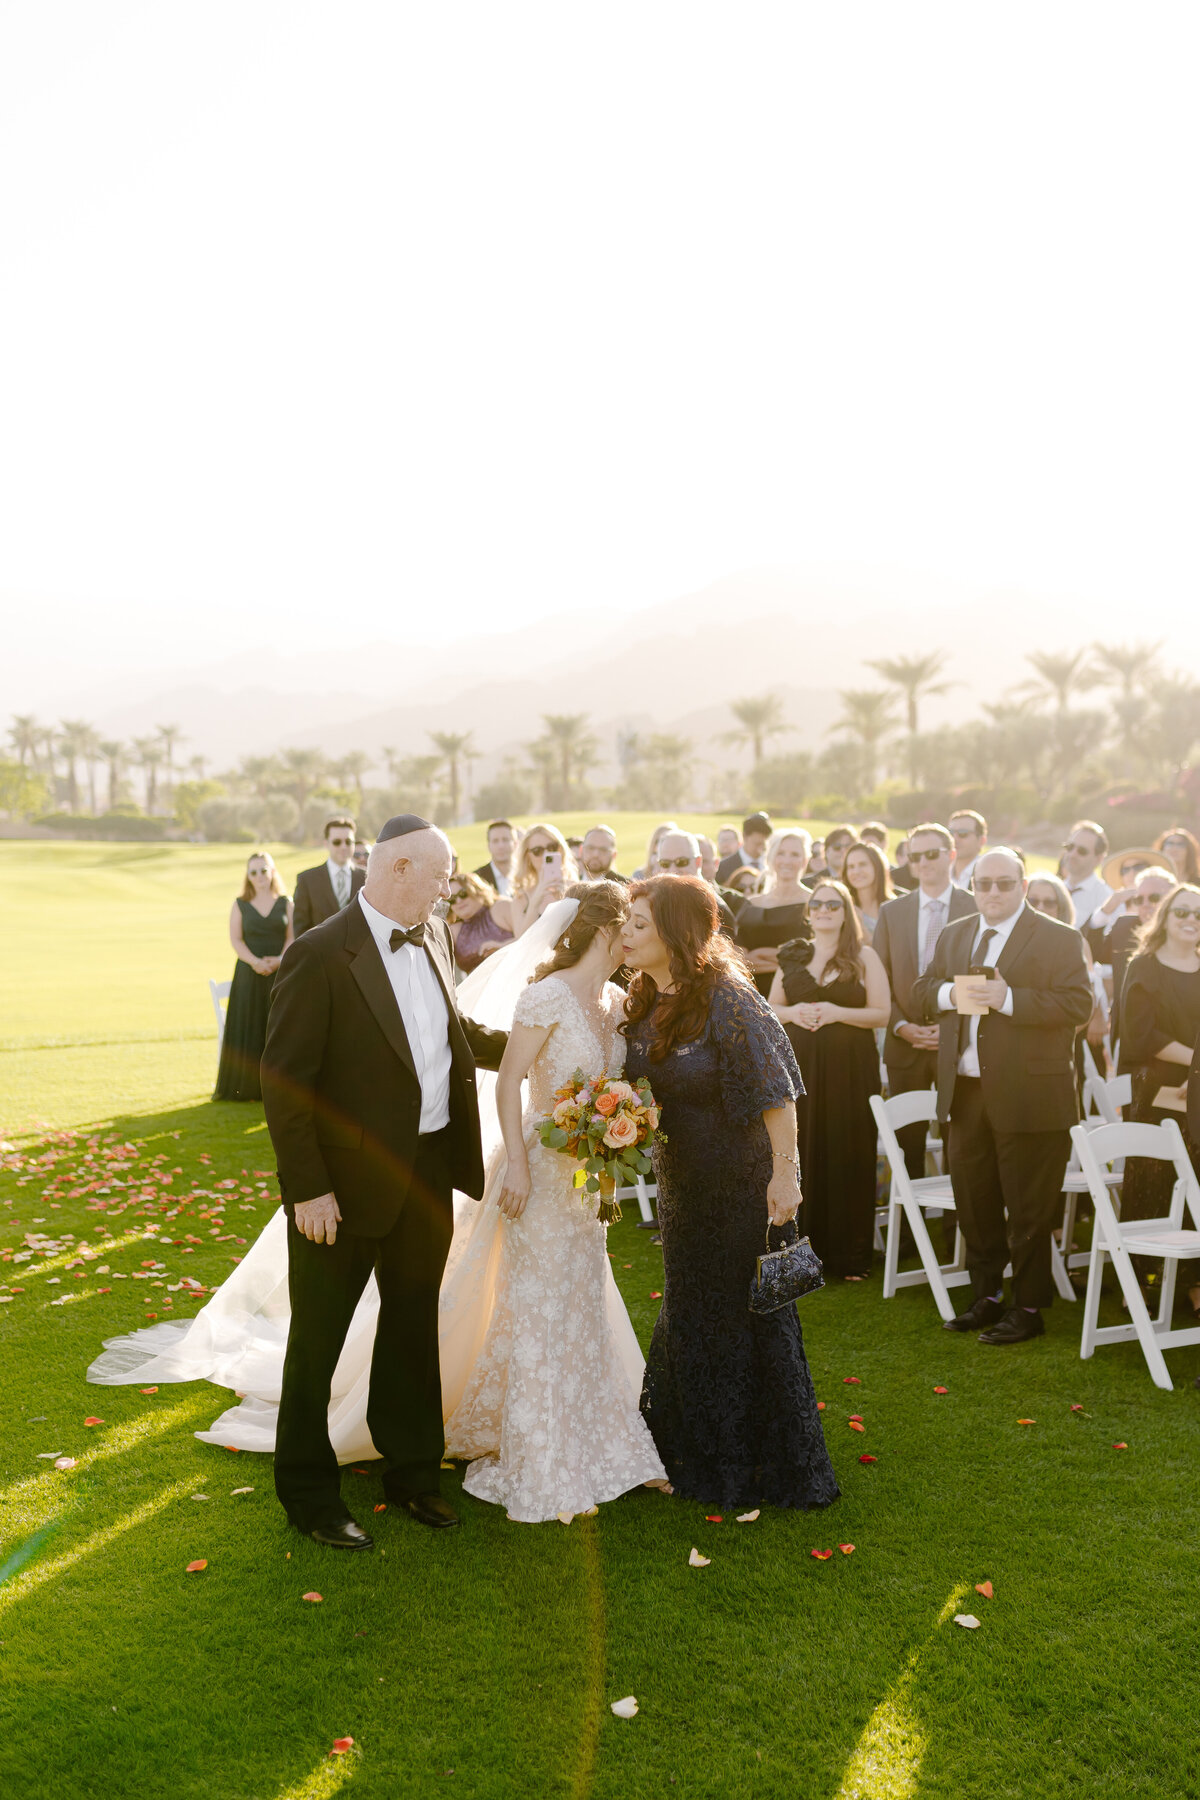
(339, 1084)
(1026, 1062)
(315, 899)
(895, 942)
(729, 865)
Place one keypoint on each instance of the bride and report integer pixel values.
(541, 1371)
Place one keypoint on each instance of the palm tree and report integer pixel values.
(1059, 675)
(197, 765)
(90, 751)
(416, 782)
(261, 774)
(25, 735)
(169, 737)
(915, 678)
(868, 714)
(303, 771)
(73, 739)
(349, 770)
(571, 750)
(456, 747)
(113, 752)
(149, 754)
(1127, 667)
(759, 716)
(1176, 701)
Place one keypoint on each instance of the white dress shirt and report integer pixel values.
(1089, 897)
(340, 876)
(961, 878)
(423, 1008)
(501, 883)
(968, 1062)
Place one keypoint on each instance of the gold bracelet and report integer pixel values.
(795, 1160)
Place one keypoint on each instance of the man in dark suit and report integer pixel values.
(752, 854)
(596, 855)
(325, 890)
(502, 845)
(906, 936)
(1006, 1083)
(368, 1081)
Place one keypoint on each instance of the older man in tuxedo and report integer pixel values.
(325, 890)
(1010, 990)
(906, 937)
(368, 1081)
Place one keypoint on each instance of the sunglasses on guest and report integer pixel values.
(834, 905)
(1048, 905)
(676, 862)
(1129, 870)
(1148, 899)
(1185, 912)
(540, 849)
(342, 842)
(1003, 884)
(916, 856)
(1078, 850)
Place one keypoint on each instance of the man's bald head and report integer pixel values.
(994, 901)
(673, 848)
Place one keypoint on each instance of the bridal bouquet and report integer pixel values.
(609, 1126)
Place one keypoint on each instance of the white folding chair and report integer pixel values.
(643, 1192)
(1124, 1238)
(910, 1197)
(1102, 1103)
(219, 991)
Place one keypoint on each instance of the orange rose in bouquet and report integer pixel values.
(609, 1126)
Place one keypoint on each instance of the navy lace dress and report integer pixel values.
(727, 1394)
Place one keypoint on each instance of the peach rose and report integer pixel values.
(621, 1090)
(606, 1104)
(621, 1133)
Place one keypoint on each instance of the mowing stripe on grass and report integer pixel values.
(24, 1584)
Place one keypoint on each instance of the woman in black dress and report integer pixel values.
(831, 993)
(1160, 1023)
(727, 1393)
(780, 911)
(260, 930)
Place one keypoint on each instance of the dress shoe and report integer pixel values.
(1015, 1327)
(983, 1312)
(341, 1534)
(431, 1509)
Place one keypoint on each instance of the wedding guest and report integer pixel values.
(830, 993)
(1149, 891)
(906, 937)
(709, 859)
(1006, 1083)
(361, 855)
(650, 866)
(903, 879)
(597, 854)
(727, 1395)
(729, 840)
(1049, 894)
(1183, 851)
(679, 854)
(756, 830)
(260, 930)
(837, 842)
(325, 890)
(1085, 849)
(969, 831)
(745, 881)
(1120, 873)
(1160, 1028)
(817, 865)
(502, 840)
(874, 832)
(544, 868)
(867, 876)
(480, 921)
(780, 911)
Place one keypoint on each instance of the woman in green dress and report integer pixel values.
(260, 930)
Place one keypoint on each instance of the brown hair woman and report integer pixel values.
(727, 1394)
(831, 993)
(260, 930)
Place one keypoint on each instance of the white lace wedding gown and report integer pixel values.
(542, 1390)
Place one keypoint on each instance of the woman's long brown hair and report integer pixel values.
(1154, 935)
(847, 958)
(688, 922)
(603, 906)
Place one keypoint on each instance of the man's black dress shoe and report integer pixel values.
(341, 1534)
(1016, 1327)
(983, 1312)
(431, 1509)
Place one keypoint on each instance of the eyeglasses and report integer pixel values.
(1148, 899)
(1048, 905)
(916, 856)
(1185, 912)
(342, 842)
(1003, 884)
(1130, 869)
(825, 905)
(676, 862)
(1079, 850)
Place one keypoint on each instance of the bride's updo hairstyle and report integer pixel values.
(689, 924)
(603, 906)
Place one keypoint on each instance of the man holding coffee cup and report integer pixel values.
(1016, 984)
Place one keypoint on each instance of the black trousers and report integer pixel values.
(997, 1173)
(922, 1073)
(404, 1404)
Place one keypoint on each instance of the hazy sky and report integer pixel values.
(399, 319)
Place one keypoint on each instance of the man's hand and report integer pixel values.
(921, 1037)
(992, 990)
(318, 1219)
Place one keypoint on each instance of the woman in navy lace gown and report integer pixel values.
(728, 1396)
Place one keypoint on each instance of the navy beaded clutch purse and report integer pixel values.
(786, 1275)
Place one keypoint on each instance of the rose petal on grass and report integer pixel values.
(624, 1709)
(152, 1315)
(93, 1421)
(941, 1390)
(194, 1568)
(64, 1462)
(697, 1561)
(1076, 1407)
(820, 1406)
(851, 1381)
(314, 1597)
(714, 1518)
(984, 1588)
(868, 1459)
(1120, 1446)
(341, 1745)
(564, 1518)
(748, 1518)
(241, 1490)
(857, 1425)
(821, 1555)
(152, 1390)
(857, 1416)
(382, 1507)
(968, 1621)
(1026, 1421)
(199, 1496)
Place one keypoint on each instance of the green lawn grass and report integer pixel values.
(495, 1654)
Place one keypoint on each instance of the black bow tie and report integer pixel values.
(415, 935)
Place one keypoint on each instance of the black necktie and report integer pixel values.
(964, 1023)
(415, 935)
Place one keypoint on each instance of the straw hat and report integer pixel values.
(1110, 869)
